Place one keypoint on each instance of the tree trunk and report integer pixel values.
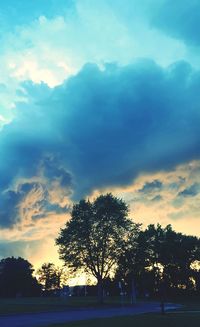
(100, 290)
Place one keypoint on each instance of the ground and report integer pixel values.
(150, 320)
(45, 304)
(72, 309)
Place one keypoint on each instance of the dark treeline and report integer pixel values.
(16, 278)
(163, 262)
(101, 240)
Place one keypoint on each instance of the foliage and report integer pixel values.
(96, 236)
(16, 278)
(50, 276)
(162, 261)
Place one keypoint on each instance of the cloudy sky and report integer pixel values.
(97, 96)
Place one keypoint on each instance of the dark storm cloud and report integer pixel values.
(180, 19)
(52, 171)
(105, 127)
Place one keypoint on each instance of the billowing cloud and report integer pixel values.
(103, 127)
(80, 114)
(55, 39)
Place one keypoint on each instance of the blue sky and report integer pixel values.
(97, 96)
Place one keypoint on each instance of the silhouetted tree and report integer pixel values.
(95, 236)
(50, 276)
(174, 253)
(132, 265)
(161, 261)
(16, 278)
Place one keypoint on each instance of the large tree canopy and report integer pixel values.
(96, 235)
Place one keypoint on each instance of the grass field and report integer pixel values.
(184, 319)
(146, 320)
(188, 315)
(43, 304)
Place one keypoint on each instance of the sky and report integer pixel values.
(95, 97)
